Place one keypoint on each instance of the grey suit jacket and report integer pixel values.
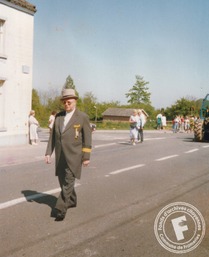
(74, 141)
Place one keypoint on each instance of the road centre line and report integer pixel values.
(205, 146)
(193, 150)
(98, 146)
(154, 138)
(30, 198)
(167, 157)
(126, 169)
(27, 198)
(109, 144)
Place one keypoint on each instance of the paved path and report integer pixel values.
(12, 155)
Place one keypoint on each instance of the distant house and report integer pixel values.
(119, 114)
(16, 59)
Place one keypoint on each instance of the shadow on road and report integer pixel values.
(188, 139)
(41, 198)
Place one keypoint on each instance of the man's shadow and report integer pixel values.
(41, 198)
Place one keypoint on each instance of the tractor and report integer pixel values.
(201, 126)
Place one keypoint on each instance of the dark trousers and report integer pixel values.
(140, 134)
(67, 197)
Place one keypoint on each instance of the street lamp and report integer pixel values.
(96, 113)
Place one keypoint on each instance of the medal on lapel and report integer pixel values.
(76, 127)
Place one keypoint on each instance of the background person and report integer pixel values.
(51, 120)
(159, 121)
(187, 124)
(176, 124)
(33, 126)
(164, 121)
(133, 120)
(140, 125)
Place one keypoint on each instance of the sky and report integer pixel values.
(104, 44)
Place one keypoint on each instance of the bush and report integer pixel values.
(113, 125)
(123, 125)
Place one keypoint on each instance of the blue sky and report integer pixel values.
(104, 44)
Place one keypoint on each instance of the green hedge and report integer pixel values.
(122, 125)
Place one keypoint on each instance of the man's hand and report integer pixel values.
(48, 159)
(86, 163)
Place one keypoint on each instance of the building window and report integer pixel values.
(2, 39)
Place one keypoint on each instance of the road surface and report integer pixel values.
(119, 197)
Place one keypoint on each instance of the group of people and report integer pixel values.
(183, 124)
(137, 121)
(179, 124)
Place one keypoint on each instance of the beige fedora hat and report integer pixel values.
(68, 93)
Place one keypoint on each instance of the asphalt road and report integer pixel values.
(119, 197)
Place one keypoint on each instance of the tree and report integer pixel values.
(89, 105)
(36, 103)
(54, 104)
(69, 83)
(38, 107)
(183, 107)
(139, 92)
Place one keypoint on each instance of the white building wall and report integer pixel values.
(16, 72)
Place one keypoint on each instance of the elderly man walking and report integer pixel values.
(71, 138)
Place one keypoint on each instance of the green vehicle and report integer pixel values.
(201, 126)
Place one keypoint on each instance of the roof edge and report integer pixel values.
(20, 5)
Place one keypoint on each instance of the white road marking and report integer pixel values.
(29, 198)
(53, 191)
(98, 146)
(126, 169)
(193, 150)
(125, 142)
(167, 157)
(154, 138)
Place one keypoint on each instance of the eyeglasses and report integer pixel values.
(67, 102)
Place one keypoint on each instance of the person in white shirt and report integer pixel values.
(33, 126)
(163, 120)
(51, 120)
(133, 120)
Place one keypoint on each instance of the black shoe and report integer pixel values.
(54, 213)
(60, 216)
(72, 205)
